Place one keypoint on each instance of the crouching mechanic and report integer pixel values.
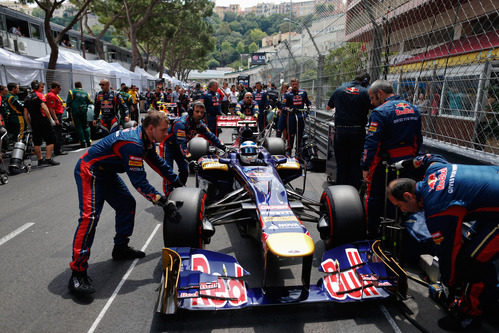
(97, 179)
(448, 194)
(174, 146)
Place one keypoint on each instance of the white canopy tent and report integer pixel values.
(19, 69)
(78, 69)
(145, 78)
(126, 76)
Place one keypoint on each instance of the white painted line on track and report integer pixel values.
(14, 233)
(390, 319)
(78, 150)
(123, 279)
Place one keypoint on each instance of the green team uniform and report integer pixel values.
(14, 121)
(129, 102)
(77, 103)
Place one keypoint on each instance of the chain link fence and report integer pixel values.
(441, 55)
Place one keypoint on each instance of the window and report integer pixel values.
(35, 31)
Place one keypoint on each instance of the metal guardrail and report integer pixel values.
(317, 128)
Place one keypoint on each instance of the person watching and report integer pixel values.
(295, 99)
(351, 102)
(394, 134)
(108, 102)
(41, 122)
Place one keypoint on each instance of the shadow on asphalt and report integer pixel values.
(106, 275)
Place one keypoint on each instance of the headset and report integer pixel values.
(35, 85)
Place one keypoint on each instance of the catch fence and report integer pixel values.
(441, 55)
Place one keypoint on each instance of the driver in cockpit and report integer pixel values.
(248, 154)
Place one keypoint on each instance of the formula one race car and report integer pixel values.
(260, 199)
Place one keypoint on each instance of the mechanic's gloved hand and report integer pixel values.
(223, 147)
(160, 200)
(404, 164)
(241, 116)
(193, 165)
(178, 183)
(171, 212)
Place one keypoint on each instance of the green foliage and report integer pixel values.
(38, 12)
(252, 47)
(342, 63)
(240, 47)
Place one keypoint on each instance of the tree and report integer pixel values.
(108, 12)
(136, 17)
(240, 47)
(252, 47)
(229, 17)
(49, 6)
(256, 36)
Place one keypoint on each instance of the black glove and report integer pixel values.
(162, 202)
(178, 183)
(194, 166)
(171, 212)
(223, 147)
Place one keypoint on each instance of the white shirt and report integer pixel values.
(233, 97)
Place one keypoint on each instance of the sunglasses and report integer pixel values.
(102, 84)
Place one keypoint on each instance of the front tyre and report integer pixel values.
(342, 216)
(187, 231)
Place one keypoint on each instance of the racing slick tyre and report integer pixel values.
(343, 215)
(198, 147)
(275, 146)
(187, 230)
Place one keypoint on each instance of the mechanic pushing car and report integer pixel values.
(247, 107)
(174, 146)
(449, 193)
(97, 179)
(394, 134)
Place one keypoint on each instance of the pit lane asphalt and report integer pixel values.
(35, 272)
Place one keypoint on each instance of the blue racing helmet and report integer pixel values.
(248, 152)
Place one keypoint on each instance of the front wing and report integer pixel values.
(207, 280)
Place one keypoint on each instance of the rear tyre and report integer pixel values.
(187, 231)
(343, 210)
(275, 146)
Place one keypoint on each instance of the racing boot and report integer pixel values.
(80, 284)
(125, 252)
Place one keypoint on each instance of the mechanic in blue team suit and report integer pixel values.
(212, 102)
(351, 102)
(97, 180)
(449, 193)
(295, 99)
(107, 102)
(183, 129)
(261, 97)
(247, 107)
(394, 134)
